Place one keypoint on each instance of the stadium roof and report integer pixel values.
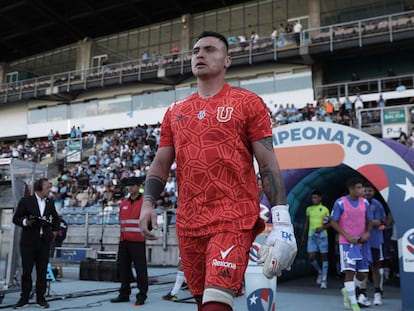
(29, 27)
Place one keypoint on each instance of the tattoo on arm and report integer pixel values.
(273, 187)
(267, 142)
(154, 185)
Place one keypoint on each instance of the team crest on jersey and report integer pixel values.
(224, 114)
(201, 115)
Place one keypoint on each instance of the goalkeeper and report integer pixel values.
(213, 135)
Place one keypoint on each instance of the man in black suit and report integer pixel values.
(37, 215)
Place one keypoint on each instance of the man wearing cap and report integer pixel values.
(132, 244)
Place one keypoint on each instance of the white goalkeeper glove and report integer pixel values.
(279, 249)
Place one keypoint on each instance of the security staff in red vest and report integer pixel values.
(132, 243)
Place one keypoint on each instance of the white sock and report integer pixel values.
(350, 289)
(325, 266)
(179, 280)
(381, 272)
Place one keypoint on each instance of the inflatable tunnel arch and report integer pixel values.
(323, 155)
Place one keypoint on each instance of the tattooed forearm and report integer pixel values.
(273, 187)
(267, 142)
(154, 185)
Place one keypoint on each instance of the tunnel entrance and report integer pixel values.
(323, 155)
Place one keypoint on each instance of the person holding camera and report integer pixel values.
(40, 222)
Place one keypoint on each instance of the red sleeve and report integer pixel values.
(258, 124)
(166, 138)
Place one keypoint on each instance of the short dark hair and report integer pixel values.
(367, 184)
(208, 33)
(317, 192)
(351, 182)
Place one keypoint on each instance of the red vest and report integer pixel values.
(129, 212)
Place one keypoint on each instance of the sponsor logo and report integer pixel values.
(225, 273)
(286, 235)
(226, 252)
(180, 117)
(226, 264)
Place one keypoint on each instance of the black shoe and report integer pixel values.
(21, 303)
(184, 286)
(170, 297)
(140, 300)
(42, 303)
(120, 299)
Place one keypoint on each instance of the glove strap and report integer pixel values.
(280, 214)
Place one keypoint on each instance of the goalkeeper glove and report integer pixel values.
(279, 249)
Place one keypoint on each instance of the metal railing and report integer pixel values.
(352, 34)
(361, 31)
(369, 86)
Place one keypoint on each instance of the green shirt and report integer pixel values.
(316, 213)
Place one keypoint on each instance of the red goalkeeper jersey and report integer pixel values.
(217, 185)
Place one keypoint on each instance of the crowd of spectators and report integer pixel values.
(284, 35)
(325, 110)
(101, 176)
(29, 150)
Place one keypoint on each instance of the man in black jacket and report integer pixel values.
(37, 216)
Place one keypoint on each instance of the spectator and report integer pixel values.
(273, 36)
(170, 186)
(281, 32)
(73, 132)
(242, 40)
(78, 132)
(145, 57)
(298, 30)
(381, 101)
(358, 103)
(154, 57)
(175, 50)
(232, 40)
(254, 37)
(51, 135)
(104, 65)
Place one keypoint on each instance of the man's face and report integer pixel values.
(369, 192)
(356, 191)
(316, 199)
(133, 189)
(209, 57)
(45, 189)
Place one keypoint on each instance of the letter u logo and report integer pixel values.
(224, 114)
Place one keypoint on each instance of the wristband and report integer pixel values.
(280, 214)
